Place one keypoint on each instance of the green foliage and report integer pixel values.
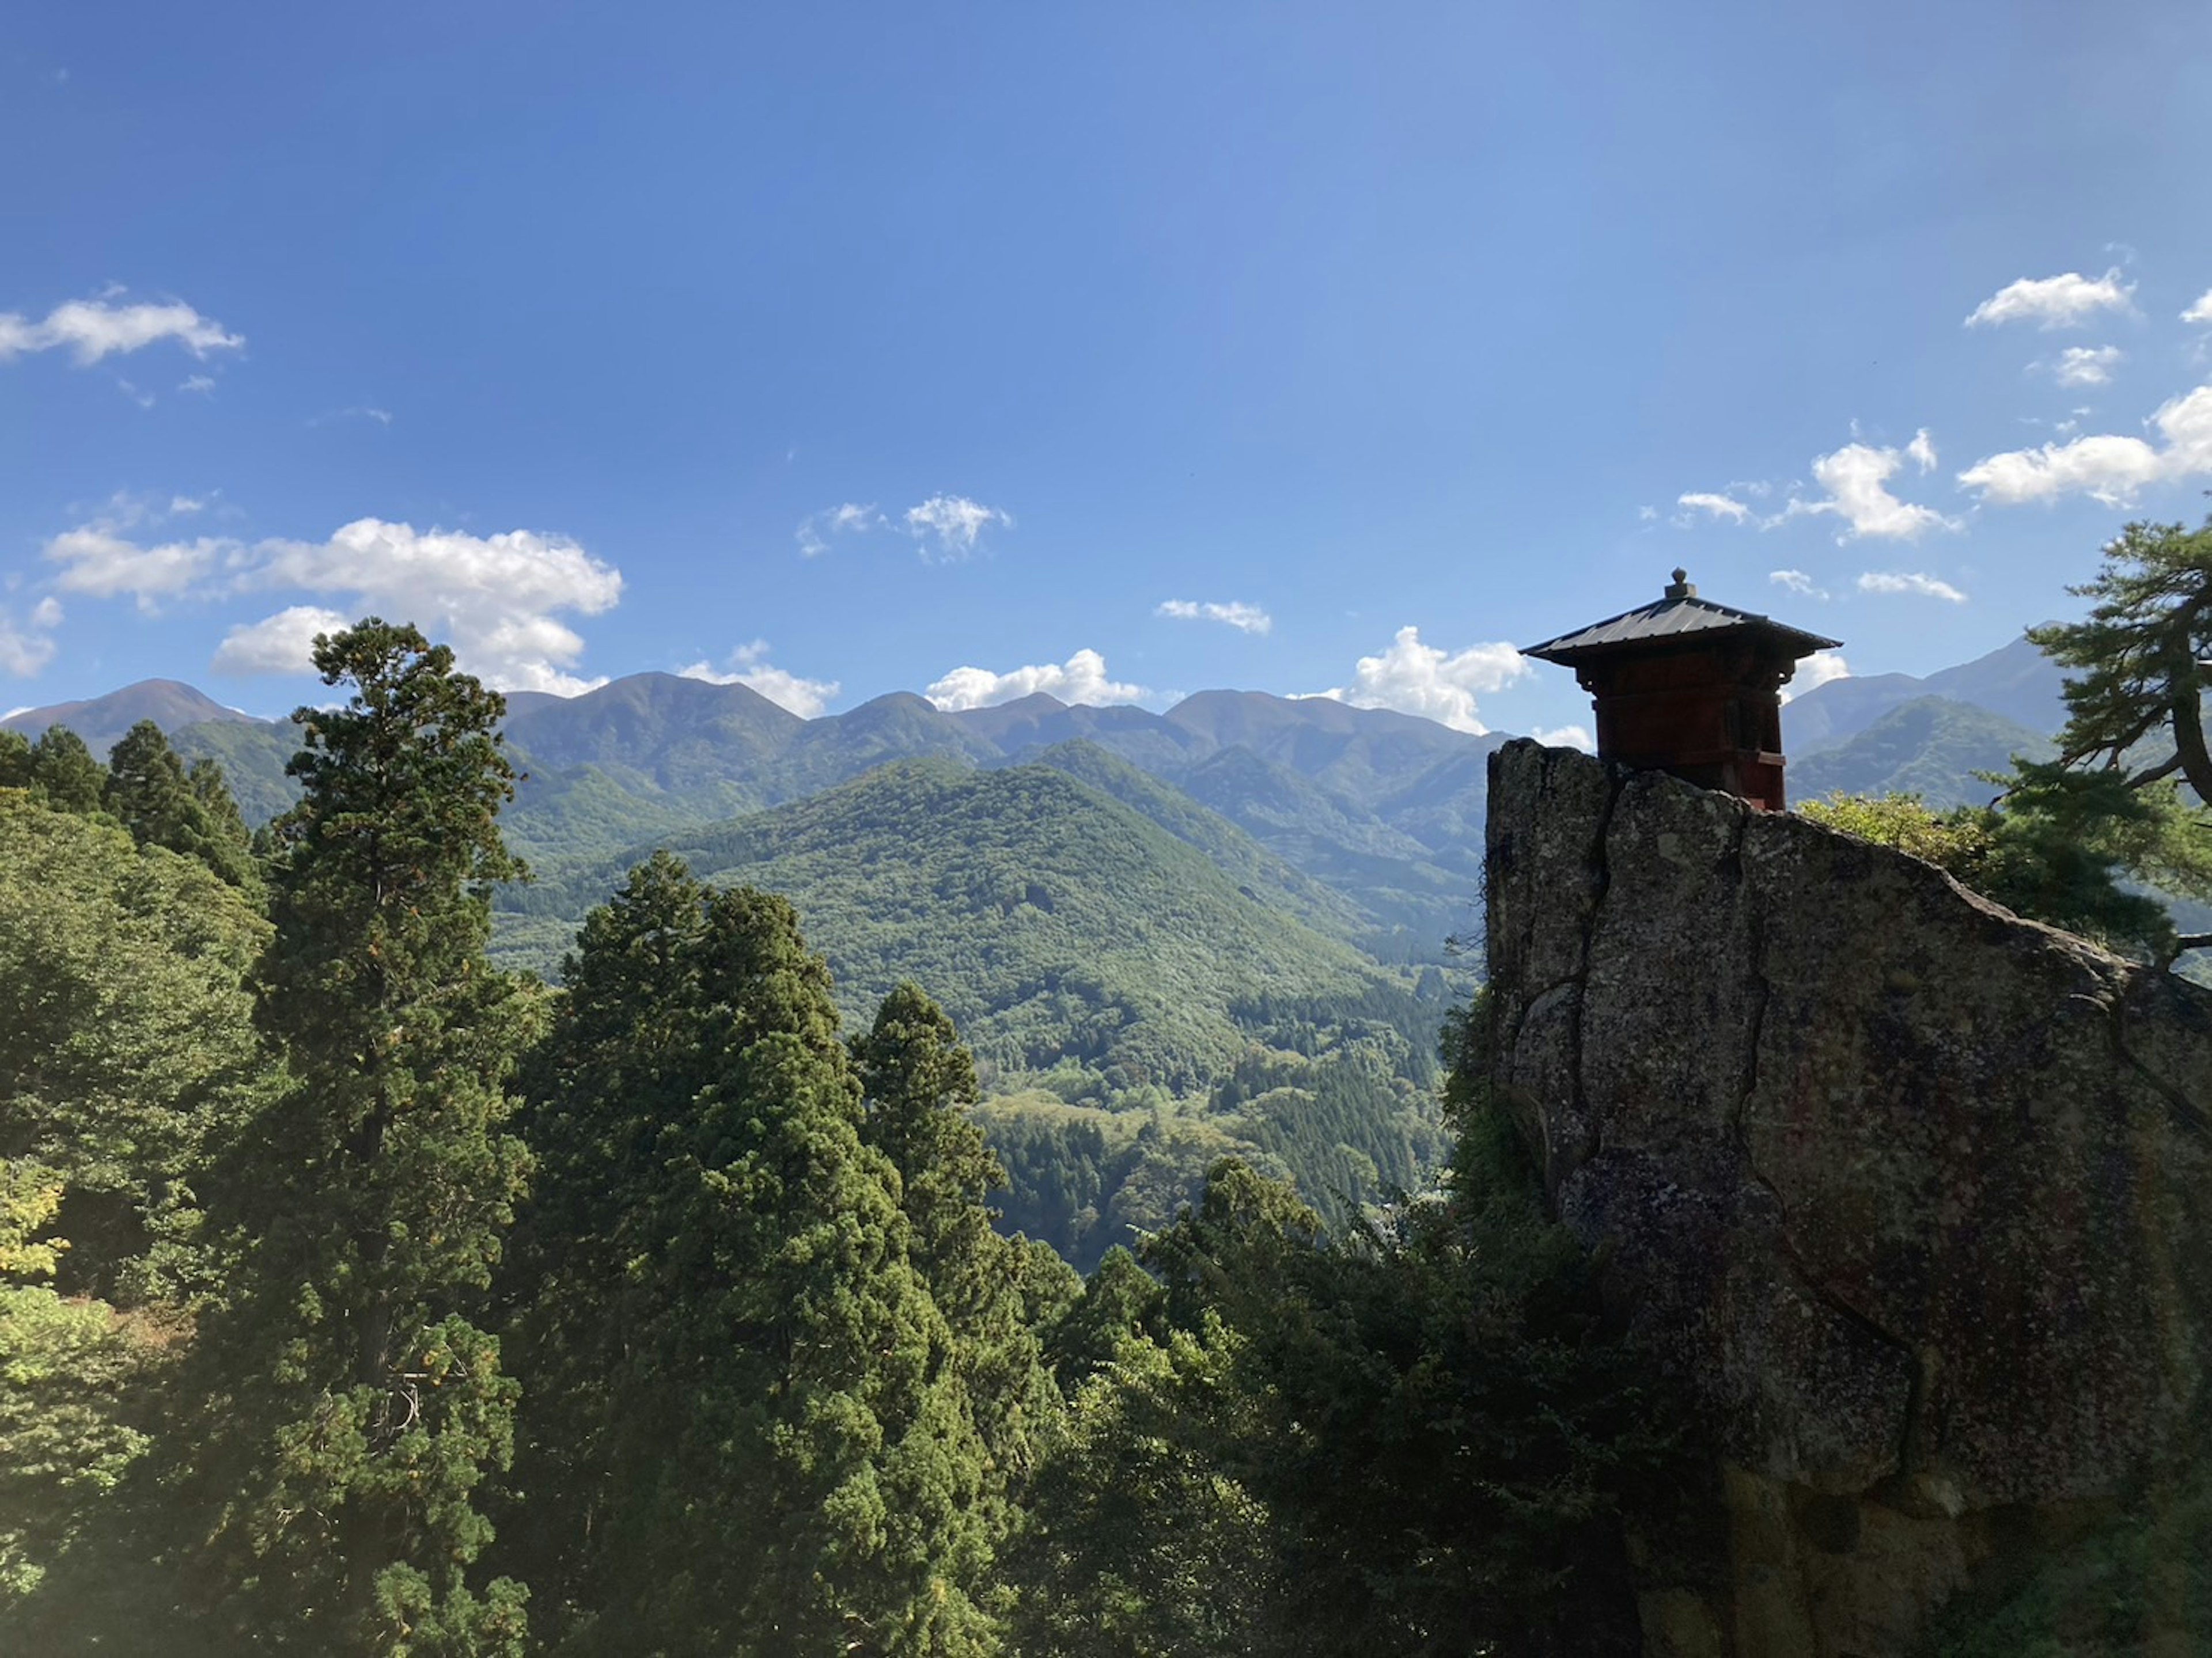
(352, 1405)
(127, 1038)
(69, 1369)
(759, 1433)
(64, 770)
(1057, 923)
(1414, 1440)
(151, 793)
(2136, 705)
(2058, 849)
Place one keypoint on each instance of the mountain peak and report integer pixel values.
(102, 721)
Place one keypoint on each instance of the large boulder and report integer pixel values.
(1909, 1194)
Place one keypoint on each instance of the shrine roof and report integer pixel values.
(1679, 613)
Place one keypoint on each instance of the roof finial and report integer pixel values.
(1682, 587)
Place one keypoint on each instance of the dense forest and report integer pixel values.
(364, 1296)
(361, 1293)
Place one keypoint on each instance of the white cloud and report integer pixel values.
(1922, 450)
(2105, 467)
(357, 411)
(92, 329)
(97, 559)
(2201, 311)
(2063, 302)
(1245, 618)
(1081, 678)
(24, 650)
(204, 383)
(1416, 678)
(1908, 581)
(282, 643)
(750, 666)
(1721, 506)
(954, 522)
(1646, 514)
(1566, 737)
(1815, 670)
(492, 598)
(1797, 582)
(2087, 365)
(1857, 478)
(850, 518)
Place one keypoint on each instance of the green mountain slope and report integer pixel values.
(1930, 747)
(1258, 873)
(1055, 923)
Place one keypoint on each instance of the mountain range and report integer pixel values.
(1223, 928)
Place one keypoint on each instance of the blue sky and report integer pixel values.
(1117, 351)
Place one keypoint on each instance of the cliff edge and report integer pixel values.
(1909, 1194)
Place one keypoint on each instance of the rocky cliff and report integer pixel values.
(1909, 1194)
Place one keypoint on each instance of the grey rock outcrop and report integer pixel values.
(1913, 1196)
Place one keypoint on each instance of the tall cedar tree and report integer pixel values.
(746, 1435)
(358, 1406)
(916, 1079)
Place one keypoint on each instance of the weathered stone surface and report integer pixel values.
(1916, 1195)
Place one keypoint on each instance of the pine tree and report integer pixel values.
(355, 1406)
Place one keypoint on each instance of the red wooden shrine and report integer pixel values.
(1687, 686)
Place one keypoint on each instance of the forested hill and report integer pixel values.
(1146, 988)
(1062, 924)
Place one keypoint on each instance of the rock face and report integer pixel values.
(1910, 1194)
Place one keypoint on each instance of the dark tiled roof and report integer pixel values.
(1679, 613)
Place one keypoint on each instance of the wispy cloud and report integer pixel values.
(2087, 365)
(90, 329)
(2062, 301)
(2201, 311)
(1245, 618)
(26, 646)
(953, 524)
(1797, 582)
(1909, 581)
(381, 417)
(816, 529)
(1716, 506)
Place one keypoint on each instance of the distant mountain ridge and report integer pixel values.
(1931, 746)
(1382, 810)
(103, 720)
(2016, 682)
